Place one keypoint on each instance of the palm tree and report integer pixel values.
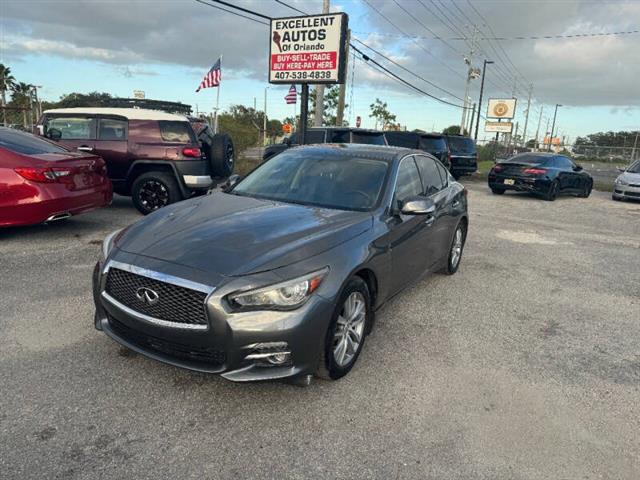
(22, 96)
(6, 82)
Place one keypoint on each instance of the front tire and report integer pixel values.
(456, 249)
(347, 331)
(154, 190)
(587, 190)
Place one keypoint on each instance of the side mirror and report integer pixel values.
(578, 168)
(40, 130)
(54, 134)
(418, 206)
(231, 182)
(621, 170)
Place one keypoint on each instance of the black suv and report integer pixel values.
(433, 143)
(463, 155)
(328, 135)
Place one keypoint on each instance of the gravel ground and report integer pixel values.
(523, 365)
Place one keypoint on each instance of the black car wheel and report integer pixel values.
(587, 190)
(221, 155)
(456, 249)
(552, 192)
(154, 190)
(497, 191)
(346, 334)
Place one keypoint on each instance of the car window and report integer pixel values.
(176, 132)
(314, 136)
(368, 138)
(339, 136)
(27, 144)
(72, 128)
(331, 180)
(563, 162)
(402, 139)
(408, 181)
(528, 159)
(431, 179)
(444, 174)
(112, 129)
(462, 145)
(433, 144)
(634, 168)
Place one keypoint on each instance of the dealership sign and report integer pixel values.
(310, 49)
(501, 108)
(498, 127)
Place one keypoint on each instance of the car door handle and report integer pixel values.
(85, 148)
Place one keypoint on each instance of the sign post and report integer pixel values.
(500, 109)
(308, 50)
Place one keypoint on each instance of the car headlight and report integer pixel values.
(281, 296)
(621, 181)
(108, 242)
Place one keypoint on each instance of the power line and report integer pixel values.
(232, 12)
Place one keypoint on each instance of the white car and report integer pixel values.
(627, 184)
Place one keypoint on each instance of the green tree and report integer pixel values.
(453, 130)
(22, 98)
(380, 111)
(330, 102)
(92, 99)
(7, 80)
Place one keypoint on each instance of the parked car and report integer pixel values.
(41, 181)
(153, 156)
(627, 185)
(281, 275)
(433, 143)
(463, 155)
(545, 174)
(328, 135)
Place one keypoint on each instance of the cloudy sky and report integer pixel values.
(164, 47)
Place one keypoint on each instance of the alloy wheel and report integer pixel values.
(153, 195)
(456, 248)
(349, 329)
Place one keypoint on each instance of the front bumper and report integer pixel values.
(626, 191)
(222, 346)
(520, 184)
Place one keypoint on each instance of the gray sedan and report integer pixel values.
(280, 276)
(627, 185)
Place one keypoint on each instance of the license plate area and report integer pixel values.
(509, 181)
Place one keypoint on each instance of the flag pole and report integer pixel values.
(215, 117)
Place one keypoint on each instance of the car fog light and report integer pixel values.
(270, 354)
(279, 358)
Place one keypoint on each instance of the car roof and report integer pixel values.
(350, 129)
(128, 113)
(377, 152)
(422, 134)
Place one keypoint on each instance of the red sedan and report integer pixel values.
(42, 182)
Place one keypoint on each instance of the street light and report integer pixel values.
(553, 126)
(484, 68)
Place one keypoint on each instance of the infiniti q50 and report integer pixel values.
(281, 275)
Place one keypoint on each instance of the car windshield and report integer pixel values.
(528, 159)
(27, 144)
(432, 144)
(326, 180)
(634, 168)
(462, 145)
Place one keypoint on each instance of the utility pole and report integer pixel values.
(526, 118)
(535, 144)
(484, 70)
(546, 132)
(264, 119)
(553, 125)
(319, 114)
(470, 73)
(635, 144)
(343, 86)
(304, 113)
(473, 115)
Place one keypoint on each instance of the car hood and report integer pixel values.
(234, 235)
(630, 177)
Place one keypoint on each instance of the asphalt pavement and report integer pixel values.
(523, 365)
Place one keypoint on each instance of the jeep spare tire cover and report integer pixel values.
(222, 155)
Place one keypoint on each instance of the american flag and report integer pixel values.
(212, 78)
(291, 97)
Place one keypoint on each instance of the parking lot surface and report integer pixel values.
(523, 365)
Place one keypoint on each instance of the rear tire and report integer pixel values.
(552, 193)
(334, 362)
(154, 190)
(221, 155)
(497, 191)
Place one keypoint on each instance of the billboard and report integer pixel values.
(501, 108)
(498, 127)
(309, 49)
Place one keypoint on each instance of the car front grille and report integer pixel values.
(634, 185)
(210, 356)
(174, 303)
(632, 194)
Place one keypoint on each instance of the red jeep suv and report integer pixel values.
(153, 156)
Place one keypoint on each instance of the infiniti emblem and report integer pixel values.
(148, 296)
